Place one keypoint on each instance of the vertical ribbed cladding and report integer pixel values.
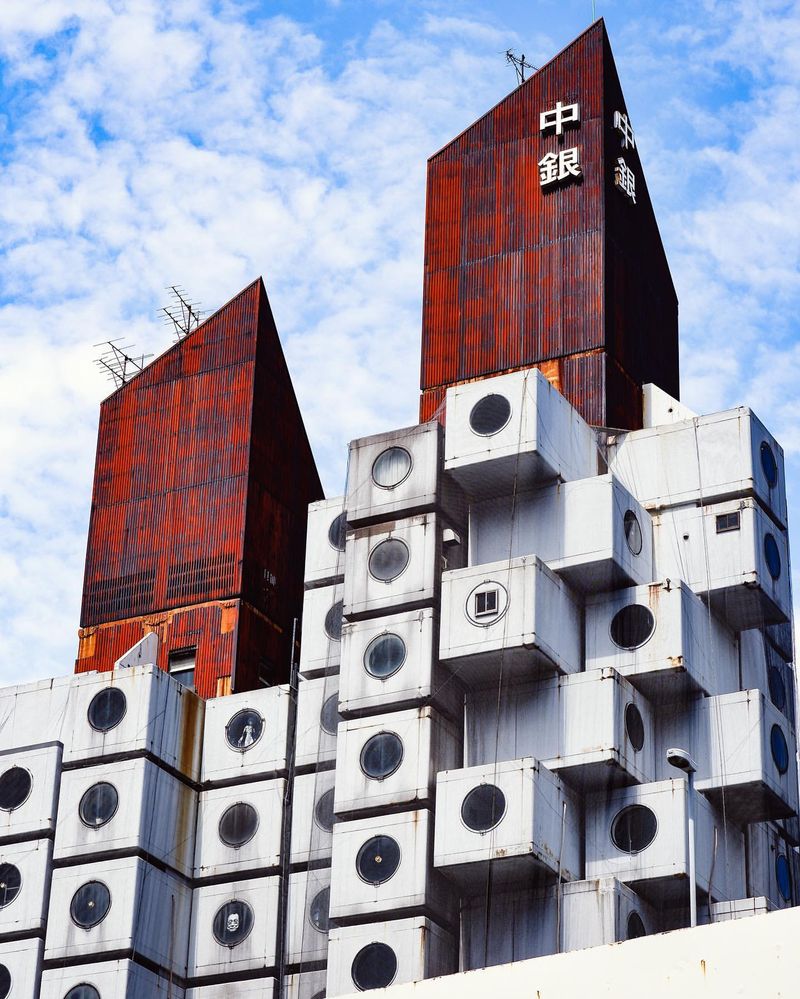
(167, 524)
(212, 628)
(516, 275)
(202, 483)
(512, 271)
(283, 481)
(641, 304)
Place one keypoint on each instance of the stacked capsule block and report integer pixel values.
(715, 488)
(144, 849)
(629, 597)
(236, 898)
(123, 851)
(548, 526)
(29, 786)
(507, 624)
(113, 979)
(393, 914)
(315, 745)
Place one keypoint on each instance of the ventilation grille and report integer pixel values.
(123, 596)
(201, 577)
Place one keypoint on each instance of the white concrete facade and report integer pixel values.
(469, 765)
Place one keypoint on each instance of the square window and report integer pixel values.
(486, 603)
(727, 522)
(181, 666)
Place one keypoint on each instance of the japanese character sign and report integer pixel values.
(624, 179)
(559, 116)
(623, 126)
(554, 167)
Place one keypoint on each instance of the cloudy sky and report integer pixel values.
(204, 142)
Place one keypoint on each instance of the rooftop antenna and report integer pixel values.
(184, 315)
(117, 364)
(519, 64)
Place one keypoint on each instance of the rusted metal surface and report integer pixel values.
(516, 275)
(202, 481)
(236, 645)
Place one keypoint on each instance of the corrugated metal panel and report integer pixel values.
(211, 629)
(170, 483)
(641, 305)
(202, 482)
(232, 640)
(516, 275)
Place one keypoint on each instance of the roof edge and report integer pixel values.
(600, 21)
(258, 281)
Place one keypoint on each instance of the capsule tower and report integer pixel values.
(558, 610)
(546, 632)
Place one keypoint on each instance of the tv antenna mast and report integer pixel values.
(183, 314)
(519, 64)
(117, 364)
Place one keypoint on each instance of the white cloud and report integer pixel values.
(168, 144)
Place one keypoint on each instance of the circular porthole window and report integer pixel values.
(15, 786)
(333, 622)
(634, 829)
(5, 981)
(374, 967)
(783, 876)
(83, 991)
(238, 824)
(90, 904)
(632, 626)
(772, 556)
(107, 709)
(391, 467)
(232, 922)
(388, 560)
(244, 730)
(329, 715)
(381, 755)
(777, 687)
(318, 910)
(634, 726)
(98, 805)
(378, 859)
(10, 884)
(487, 603)
(384, 656)
(490, 415)
(483, 808)
(337, 532)
(633, 532)
(323, 811)
(769, 465)
(635, 927)
(780, 750)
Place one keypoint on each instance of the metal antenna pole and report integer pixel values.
(519, 64)
(182, 314)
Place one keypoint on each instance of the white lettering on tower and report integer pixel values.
(554, 167)
(559, 116)
(624, 179)
(623, 126)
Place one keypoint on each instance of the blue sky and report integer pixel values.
(204, 142)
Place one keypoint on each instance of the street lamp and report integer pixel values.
(681, 759)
